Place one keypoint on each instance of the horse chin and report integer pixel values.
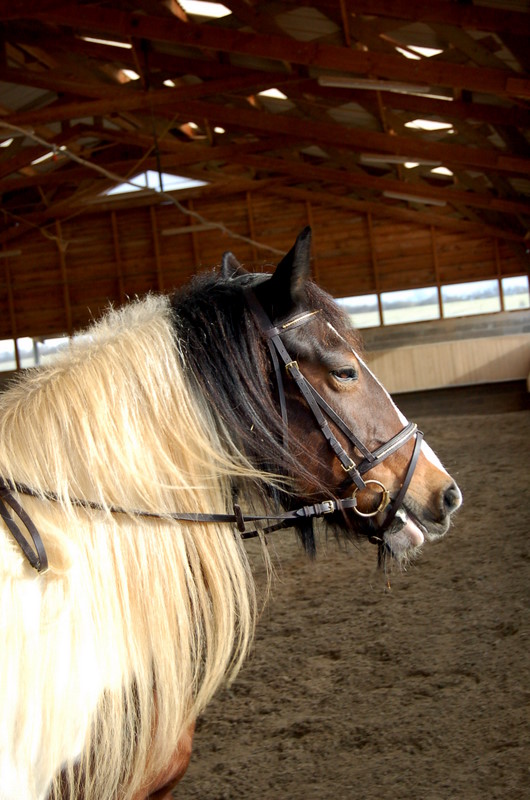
(405, 537)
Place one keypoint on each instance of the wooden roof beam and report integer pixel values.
(323, 132)
(470, 17)
(119, 100)
(364, 140)
(286, 49)
(385, 210)
(310, 172)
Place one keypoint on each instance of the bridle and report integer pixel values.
(321, 409)
(35, 552)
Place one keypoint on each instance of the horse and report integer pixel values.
(132, 470)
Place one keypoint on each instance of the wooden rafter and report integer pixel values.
(284, 49)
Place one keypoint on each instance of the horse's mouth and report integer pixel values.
(405, 536)
(407, 533)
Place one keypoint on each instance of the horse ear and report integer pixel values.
(286, 287)
(230, 266)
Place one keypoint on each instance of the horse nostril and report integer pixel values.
(452, 498)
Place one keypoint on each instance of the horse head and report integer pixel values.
(364, 446)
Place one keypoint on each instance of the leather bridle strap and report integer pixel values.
(315, 402)
(398, 500)
(319, 407)
(39, 560)
(36, 555)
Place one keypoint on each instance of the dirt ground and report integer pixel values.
(419, 692)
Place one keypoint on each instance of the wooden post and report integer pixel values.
(156, 243)
(436, 264)
(193, 238)
(251, 227)
(499, 271)
(315, 269)
(117, 256)
(64, 277)
(375, 266)
(12, 315)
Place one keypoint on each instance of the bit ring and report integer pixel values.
(385, 500)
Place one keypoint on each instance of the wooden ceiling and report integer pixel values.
(350, 85)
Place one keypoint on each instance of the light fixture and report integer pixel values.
(108, 42)
(346, 82)
(379, 158)
(428, 125)
(219, 130)
(442, 171)
(6, 142)
(411, 198)
(47, 156)
(171, 84)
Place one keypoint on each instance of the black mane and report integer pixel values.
(229, 363)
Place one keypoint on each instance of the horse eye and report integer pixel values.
(345, 374)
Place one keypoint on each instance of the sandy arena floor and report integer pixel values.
(420, 692)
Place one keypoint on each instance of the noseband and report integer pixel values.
(321, 409)
(35, 552)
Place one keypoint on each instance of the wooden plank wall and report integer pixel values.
(459, 363)
(67, 273)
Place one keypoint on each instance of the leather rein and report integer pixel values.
(35, 552)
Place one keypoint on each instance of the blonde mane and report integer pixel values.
(108, 656)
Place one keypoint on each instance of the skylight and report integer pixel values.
(151, 180)
(203, 9)
(130, 74)
(408, 54)
(427, 52)
(275, 93)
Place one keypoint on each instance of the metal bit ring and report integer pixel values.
(385, 500)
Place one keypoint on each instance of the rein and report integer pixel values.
(38, 559)
(35, 553)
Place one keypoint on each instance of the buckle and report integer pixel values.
(292, 365)
(328, 507)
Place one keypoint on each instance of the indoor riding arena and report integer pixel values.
(140, 142)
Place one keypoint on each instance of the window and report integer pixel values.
(463, 299)
(27, 351)
(515, 293)
(7, 355)
(47, 348)
(363, 310)
(151, 180)
(410, 305)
